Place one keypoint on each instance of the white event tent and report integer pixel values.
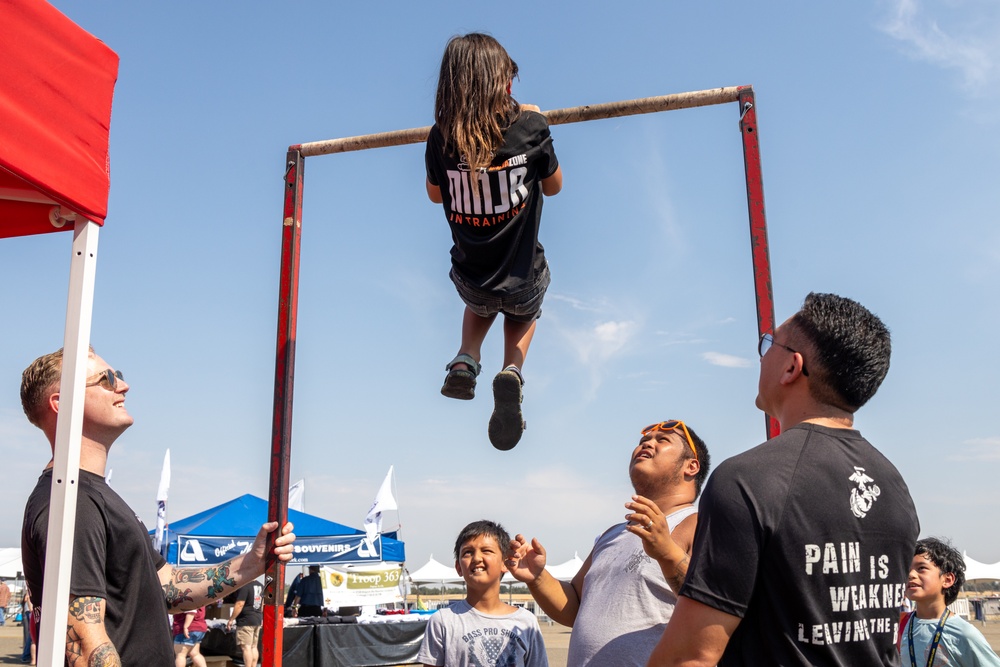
(435, 572)
(10, 562)
(976, 570)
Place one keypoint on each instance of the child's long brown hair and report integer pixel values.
(473, 104)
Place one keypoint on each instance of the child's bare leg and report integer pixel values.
(474, 330)
(516, 340)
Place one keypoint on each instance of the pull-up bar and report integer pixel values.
(416, 135)
(281, 430)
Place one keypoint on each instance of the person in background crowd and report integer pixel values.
(248, 616)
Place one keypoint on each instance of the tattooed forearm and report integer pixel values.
(190, 585)
(86, 609)
(220, 579)
(104, 655)
(175, 596)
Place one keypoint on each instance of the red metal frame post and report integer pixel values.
(758, 224)
(281, 425)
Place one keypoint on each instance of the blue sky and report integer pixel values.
(879, 135)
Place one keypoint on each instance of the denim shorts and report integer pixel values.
(192, 638)
(524, 306)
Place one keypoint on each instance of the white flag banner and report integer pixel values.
(384, 501)
(297, 496)
(161, 504)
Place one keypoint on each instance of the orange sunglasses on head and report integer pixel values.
(673, 425)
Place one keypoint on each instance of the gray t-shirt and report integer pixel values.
(626, 602)
(460, 636)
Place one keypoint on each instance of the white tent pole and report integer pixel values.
(66, 459)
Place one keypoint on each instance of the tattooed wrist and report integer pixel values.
(104, 655)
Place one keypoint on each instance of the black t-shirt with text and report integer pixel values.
(494, 226)
(808, 538)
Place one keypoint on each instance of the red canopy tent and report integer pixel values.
(55, 111)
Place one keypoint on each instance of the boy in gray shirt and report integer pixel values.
(482, 630)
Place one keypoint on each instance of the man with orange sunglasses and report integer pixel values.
(624, 594)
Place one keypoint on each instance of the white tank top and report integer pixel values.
(626, 602)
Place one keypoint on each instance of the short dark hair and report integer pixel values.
(704, 459)
(849, 349)
(948, 559)
(483, 528)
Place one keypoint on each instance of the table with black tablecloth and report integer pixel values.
(324, 644)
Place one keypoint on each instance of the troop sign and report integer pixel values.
(357, 587)
(207, 550)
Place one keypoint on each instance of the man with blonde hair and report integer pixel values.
(121, 589)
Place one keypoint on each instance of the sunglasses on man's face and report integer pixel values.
(107, 379)
(672, 425)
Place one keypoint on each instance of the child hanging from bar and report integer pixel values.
(489, 161)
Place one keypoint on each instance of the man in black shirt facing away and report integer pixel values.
(803, 543)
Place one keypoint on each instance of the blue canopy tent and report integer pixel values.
(220, 533)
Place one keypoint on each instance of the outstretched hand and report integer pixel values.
(526, 561)
(648, 523)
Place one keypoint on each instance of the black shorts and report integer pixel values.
(524, 306)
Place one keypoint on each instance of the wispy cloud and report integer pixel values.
(979, 449)
(602, 341)
(657, 180)
(970, 43)
(597, 344)
(575, 303)
(725, 360)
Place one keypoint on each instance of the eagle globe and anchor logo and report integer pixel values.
(866, 493)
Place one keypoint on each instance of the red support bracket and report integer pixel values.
(281, 425)
(758, 224)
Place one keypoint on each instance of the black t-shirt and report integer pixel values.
(252, 596)
(113, 559)
(808, 538)
(495, 227)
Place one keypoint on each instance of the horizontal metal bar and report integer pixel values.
(555, 117)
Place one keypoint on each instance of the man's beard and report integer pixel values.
(650, 488)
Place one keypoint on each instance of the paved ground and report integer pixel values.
(556, 642)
